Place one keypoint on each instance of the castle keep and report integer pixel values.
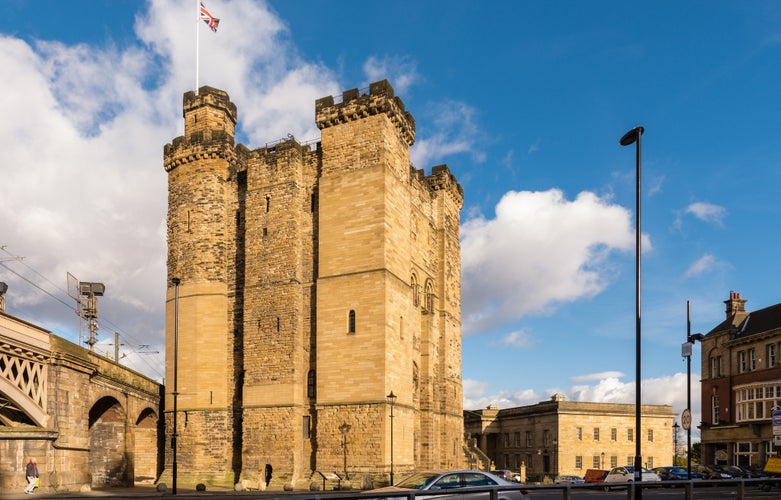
(314, 281)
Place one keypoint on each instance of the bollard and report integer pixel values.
(741, 490)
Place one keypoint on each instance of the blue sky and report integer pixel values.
(525, 101)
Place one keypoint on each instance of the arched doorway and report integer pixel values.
(146, 453)
(108, 454)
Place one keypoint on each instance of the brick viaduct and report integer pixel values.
(88, 421)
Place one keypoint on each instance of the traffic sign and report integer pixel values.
(777, 417)
(686, 419)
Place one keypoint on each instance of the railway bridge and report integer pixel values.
(88, 421)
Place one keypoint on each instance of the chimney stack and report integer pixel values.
(735, 304)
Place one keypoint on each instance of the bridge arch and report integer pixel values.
(147, 458)
(18, 407)
(108, 450)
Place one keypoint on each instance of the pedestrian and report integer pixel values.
(32, 476)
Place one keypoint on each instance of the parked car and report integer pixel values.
(626, 474)
(675, 473)
(569, 480)
(507, 475)
(735, 471)
(456, 485)
(711, 472)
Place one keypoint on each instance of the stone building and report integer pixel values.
(313, 281)
(560, 437)
(741, 386)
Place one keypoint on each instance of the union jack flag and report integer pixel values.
(211, 21)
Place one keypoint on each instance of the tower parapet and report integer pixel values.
(354, 106)
(209, 128)
(441, 179)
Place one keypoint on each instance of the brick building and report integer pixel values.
(741, 385)
(315, 279)
(560, 437)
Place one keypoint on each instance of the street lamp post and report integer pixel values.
(634, 137)
(675, 442)
(176, 282)
(392, 402)
(686, 350)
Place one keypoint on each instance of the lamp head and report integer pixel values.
(632, 136)
(391, 398)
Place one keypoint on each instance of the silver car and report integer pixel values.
(626, 474)
(458, 484)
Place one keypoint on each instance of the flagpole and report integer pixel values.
(197, 42)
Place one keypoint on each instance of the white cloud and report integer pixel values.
(84, 188)
(702, 265)
(518, 339)
(707, 212)
(401, 71)
(539, 250)
(455, 133)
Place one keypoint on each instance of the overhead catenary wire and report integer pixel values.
(126, 337)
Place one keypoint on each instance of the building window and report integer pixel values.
(579, 433)
(757, 402)
(307, 427)
(579, 462)
(650, 435)
(650, 463)
(630, 435)
(613, 434)
(771, 355)
(529, 442)
(517, 439)
(310, 384)
(715, 366)
(351, 322)
(506, 440)
(595, 462)
(715, 408)
(596, 433)
(429, 298)
(613, 461)
(415, 291)
(630, 460)
(752, 360)
(741, 361)
(545, 438)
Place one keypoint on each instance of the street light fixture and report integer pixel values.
(176, 282)
(676, 427)
(392, 402)
(634, 137)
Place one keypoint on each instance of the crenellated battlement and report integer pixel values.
(209, 96)
(354, 105)
(441, 179)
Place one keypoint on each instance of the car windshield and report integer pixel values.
(630, 469)
(418, 481)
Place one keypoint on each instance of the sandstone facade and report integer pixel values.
(315, 280)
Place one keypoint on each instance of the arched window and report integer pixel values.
(351, 322)
(310, 384)
(429, 297)
(415, 290)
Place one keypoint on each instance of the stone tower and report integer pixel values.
(314, 281)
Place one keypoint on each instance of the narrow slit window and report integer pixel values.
(351, 322)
